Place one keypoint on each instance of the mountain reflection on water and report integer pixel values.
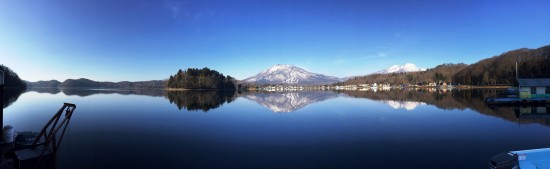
(289, 101)
(206, 100)
(408, 105)
(450, 100)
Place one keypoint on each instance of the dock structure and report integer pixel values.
(534, 88)
(32, 150)
(530, 91)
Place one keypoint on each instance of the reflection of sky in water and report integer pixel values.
(133, 131)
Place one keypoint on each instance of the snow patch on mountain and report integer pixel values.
(408, 67)
(289, 74)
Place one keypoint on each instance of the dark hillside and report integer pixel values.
(501, 69)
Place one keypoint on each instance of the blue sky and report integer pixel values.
(115, 40)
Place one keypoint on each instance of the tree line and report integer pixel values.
(11, 79)
(204, 78)
(87, 83)
(440, 74)
(497, 70)
(501, 70)
(14, 83)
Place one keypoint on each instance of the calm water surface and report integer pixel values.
(319, 129)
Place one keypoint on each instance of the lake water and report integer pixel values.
(313, 129)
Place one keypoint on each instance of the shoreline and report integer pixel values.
(252, 89)
(183, 89)
(175, 89)
(482, 87)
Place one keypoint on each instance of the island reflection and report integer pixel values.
(204, 100)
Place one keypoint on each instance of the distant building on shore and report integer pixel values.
(534, 88)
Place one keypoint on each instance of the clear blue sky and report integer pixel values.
(115, 40)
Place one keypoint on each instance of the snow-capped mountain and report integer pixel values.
(288, 74)
(408, 67)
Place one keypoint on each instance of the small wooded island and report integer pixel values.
(204, 78)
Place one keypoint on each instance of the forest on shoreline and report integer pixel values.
(494, 71)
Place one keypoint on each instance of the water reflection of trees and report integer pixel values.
(49, 90)
(204, 100)
(449, 100)
(83, 92)
(89, 92)
(11, 95)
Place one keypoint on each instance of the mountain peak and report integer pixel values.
(290, 74)
(281, 67)
(408, 67)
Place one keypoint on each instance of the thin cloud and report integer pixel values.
(375, 56)
(183, 11)
(176, 9)
(339, 60)
(404, 38)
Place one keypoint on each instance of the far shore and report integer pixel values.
(183, 89)
(482, 87)
(468, 87)
(176, 89)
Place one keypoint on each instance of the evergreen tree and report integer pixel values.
(204, 78)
